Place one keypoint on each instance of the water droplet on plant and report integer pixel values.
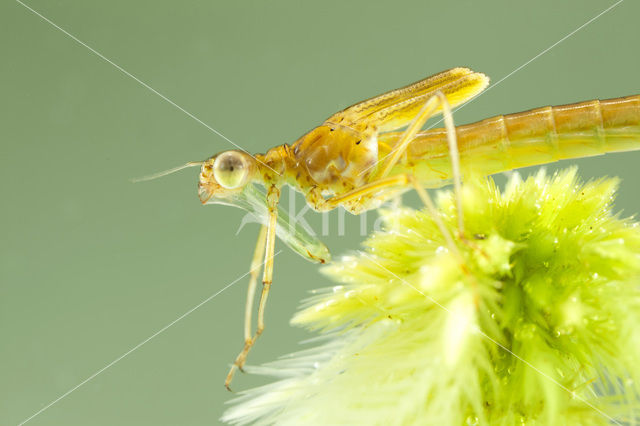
(525, 332)
(442, 250)
(563, 331)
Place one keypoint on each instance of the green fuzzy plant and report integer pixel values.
(535, 322)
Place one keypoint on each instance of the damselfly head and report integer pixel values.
(225, 174)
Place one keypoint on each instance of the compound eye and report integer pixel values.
(230, 169)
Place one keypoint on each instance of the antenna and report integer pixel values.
(167, 172)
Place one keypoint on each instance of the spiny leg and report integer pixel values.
(425, 113)
(379, 180)
(267, 277)
(315, 198)
(438, 99)
(251, 291)
(253, 280)
(370, 189)
(454, 154)
(435, 215)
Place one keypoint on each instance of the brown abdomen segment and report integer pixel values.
(538, 136)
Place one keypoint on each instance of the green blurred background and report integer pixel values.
(92, 265)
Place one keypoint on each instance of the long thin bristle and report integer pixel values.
(167, 172)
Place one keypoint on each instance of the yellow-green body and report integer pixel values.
(333, 158)
(538, 136)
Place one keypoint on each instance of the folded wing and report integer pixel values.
(398, 107)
